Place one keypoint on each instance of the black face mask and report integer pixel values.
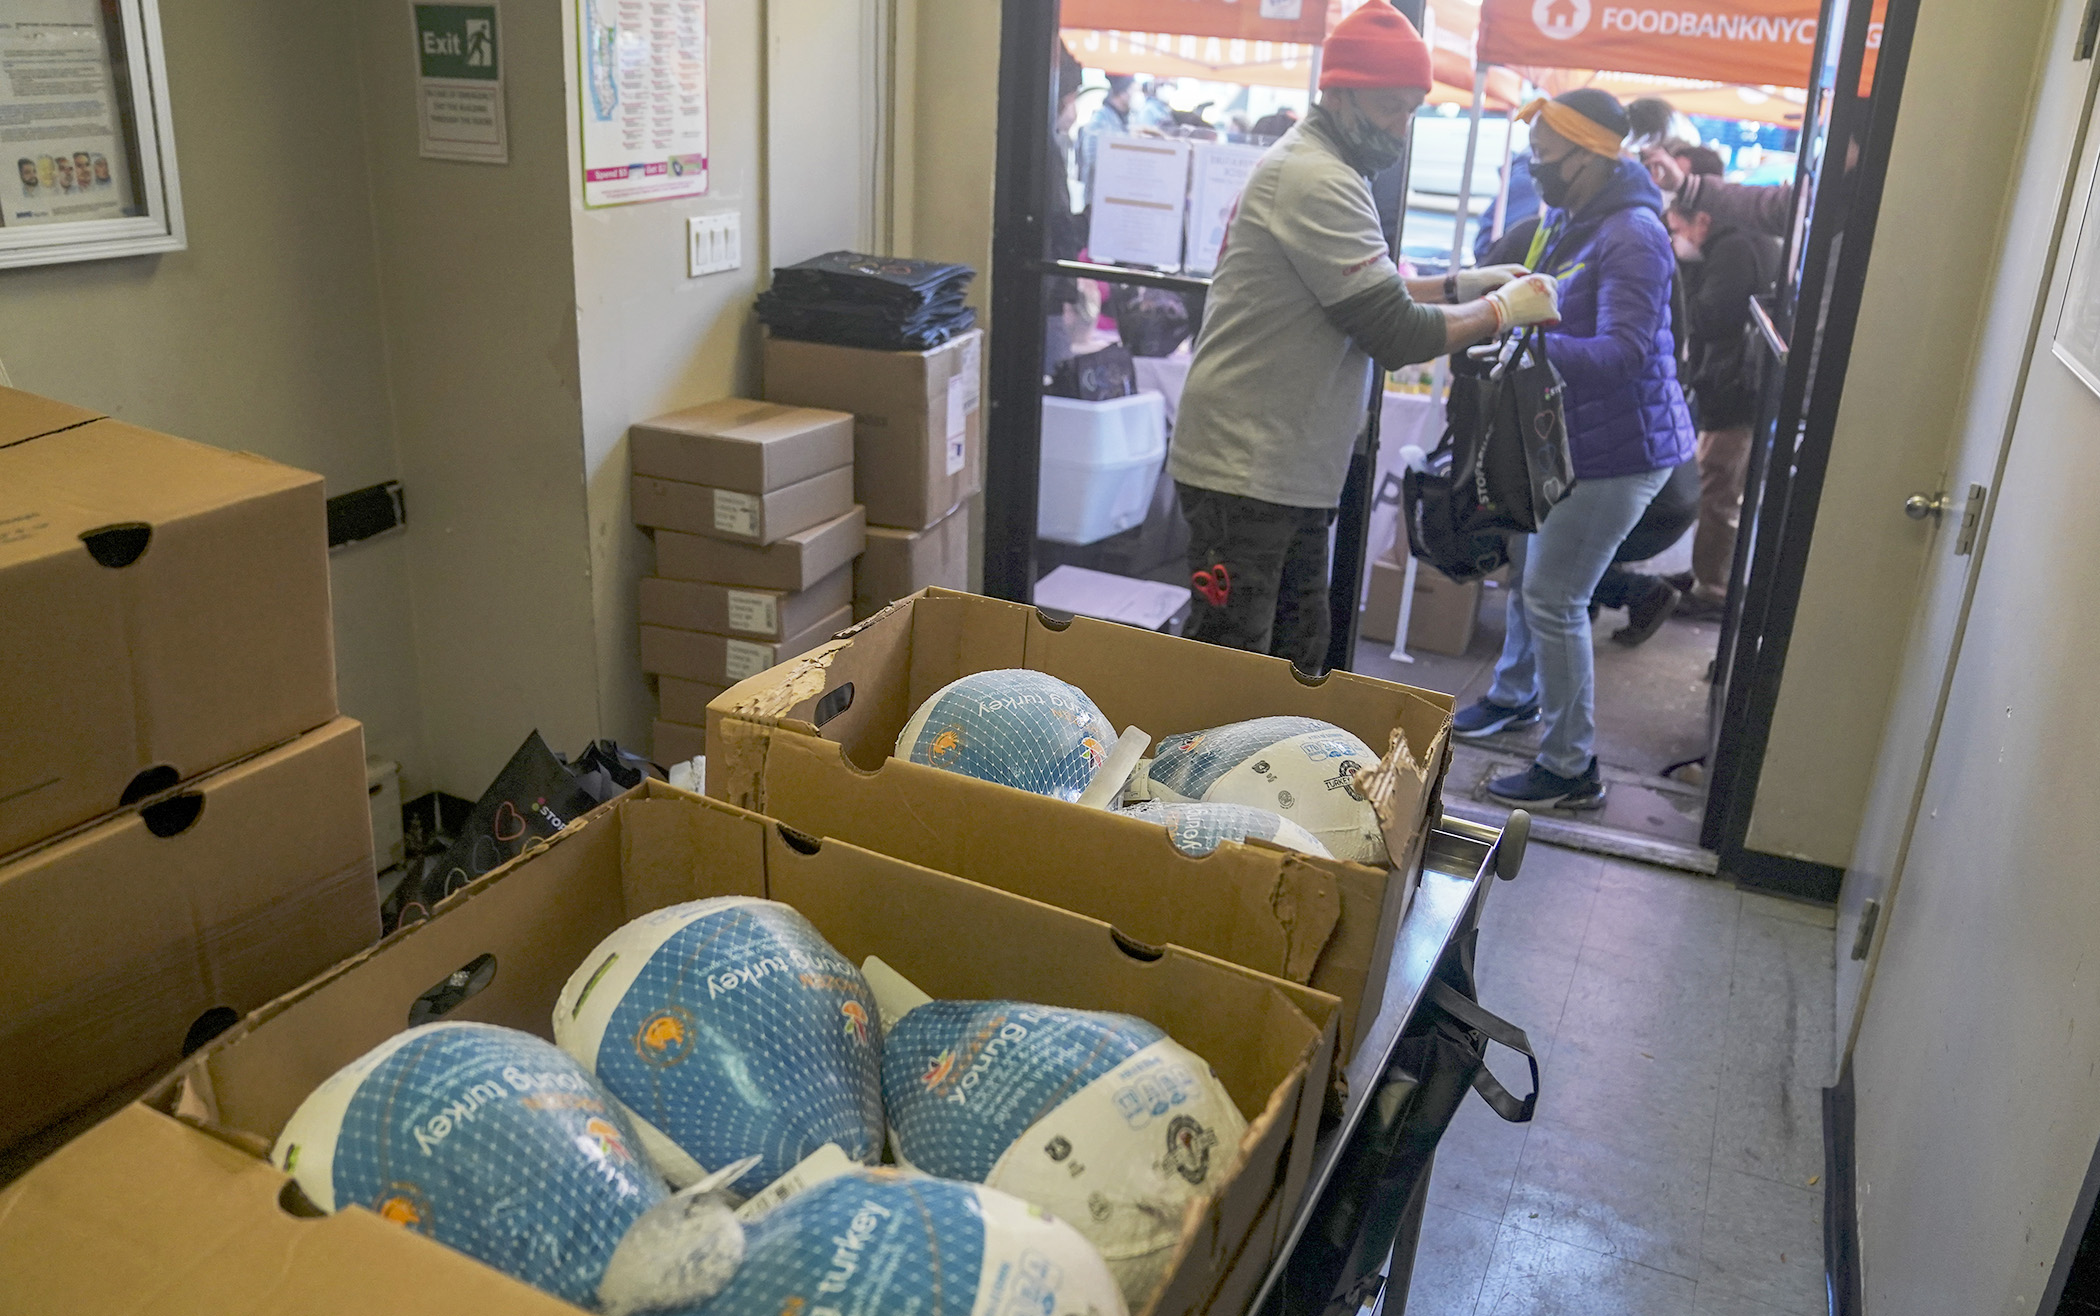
(1371, 149)
(1552, 181)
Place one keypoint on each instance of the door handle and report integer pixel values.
(1919, 506)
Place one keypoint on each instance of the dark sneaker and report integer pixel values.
(1693, 608)
(1539, 789)
(1647, 613)
(1484, 717)
(1681, 581)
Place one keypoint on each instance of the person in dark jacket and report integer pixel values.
(1724, 267)
(1603, 239)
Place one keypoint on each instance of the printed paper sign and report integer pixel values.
(736, 513)
(1218, 177)
(754, 613)
(643, 90)
(459, 83)
(1141, 191)
(64, 125)
(747, 660)
(958, 423)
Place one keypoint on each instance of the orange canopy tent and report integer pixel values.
(1755, 43)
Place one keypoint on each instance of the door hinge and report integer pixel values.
(1972, 514)
(1869, 917)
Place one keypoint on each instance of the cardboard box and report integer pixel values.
(1444, 613)
(685, 702)
(758, 614)
(82, 1235)
(752, 447)
(1323, 922)
(795, 563)
(166, 612)
(674, 742)
(900, 562)
(699, 509)
(918, 428)
(117, 939)
(724, 659)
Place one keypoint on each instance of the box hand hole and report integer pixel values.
(207, 1026)
(799, 842)
(293, 1201)
(117, 545)
(833, 704)
(1135, 949)
(152, 781)
(174, 815)
(442, 999)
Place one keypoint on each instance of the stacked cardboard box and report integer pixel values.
(918, 452)
(183, 823)
(756, 533)
(1443, 615)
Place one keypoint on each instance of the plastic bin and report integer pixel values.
(1101, 461)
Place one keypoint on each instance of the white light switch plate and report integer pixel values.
(713, 243)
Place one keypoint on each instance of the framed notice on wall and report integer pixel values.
(459, 83)
(90, 155)
(642, 90)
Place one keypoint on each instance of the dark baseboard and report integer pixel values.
(1780, 875)
(1841, 1272)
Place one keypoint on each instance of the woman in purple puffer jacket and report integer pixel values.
(1628, 427)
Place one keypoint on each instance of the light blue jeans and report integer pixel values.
(1552, 575)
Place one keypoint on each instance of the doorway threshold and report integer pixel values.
(1653, 820)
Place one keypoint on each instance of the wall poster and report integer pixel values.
(64, 114)
(459, 83)
(642, 74)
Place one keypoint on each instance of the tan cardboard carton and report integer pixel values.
(1443, 616)
(724, 659)
(116, 1221)
(757, 614)
(685, 701)
(165, 607)
(900, 562)
(795, 563)
(674, 742)
(918, 428)
(752, 447)
(809, 742)
(117, 939)
(699, 509)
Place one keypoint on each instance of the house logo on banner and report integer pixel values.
(1561, 19)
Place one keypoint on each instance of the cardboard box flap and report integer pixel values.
(146, 1214)
(27, 416)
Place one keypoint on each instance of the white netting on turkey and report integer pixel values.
(1301, 768)
(1012, 726)
(1198, 829)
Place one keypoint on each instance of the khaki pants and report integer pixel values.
(1724, 457)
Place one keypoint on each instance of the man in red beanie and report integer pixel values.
(1306, 297)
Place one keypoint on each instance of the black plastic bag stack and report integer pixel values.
(886, 303)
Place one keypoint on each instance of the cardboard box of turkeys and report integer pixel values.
(754, 614)
(742, 445)
(900, 562)
(165, 608)
(918, 426)
(116, 1220)
(724, 659)
(810, 743)
(797, 562)
(118, 940)
(1443, 616)
(748, 518)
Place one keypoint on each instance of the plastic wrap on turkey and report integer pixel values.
(1015, 727)
(729, 1028)
(1101, 1119)
(486, 1139)
(1198, 829)
(1301, 768)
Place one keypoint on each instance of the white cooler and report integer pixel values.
(1101, 462)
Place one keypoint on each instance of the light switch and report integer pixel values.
(714, 243)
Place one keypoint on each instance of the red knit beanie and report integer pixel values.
(1375, 47)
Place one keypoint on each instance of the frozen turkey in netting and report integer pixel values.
(1015, 727)
(873, 1242)
(1198, 829)
(1300, 767)
(1099, 1118)
(729, 1028)
(486, 1139)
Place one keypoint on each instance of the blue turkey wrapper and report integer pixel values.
(1191, 763)
(1017, 728)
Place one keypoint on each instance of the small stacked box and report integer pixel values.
(756, 534)
(918, 451)
(184, 829)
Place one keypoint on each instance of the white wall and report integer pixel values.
(1922, 308)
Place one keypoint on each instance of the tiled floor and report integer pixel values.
(1683, 1031)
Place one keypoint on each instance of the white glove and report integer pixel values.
(1533, 299)
(1475, 284)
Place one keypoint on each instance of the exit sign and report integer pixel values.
(457, 41)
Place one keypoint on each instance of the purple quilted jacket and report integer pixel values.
(1626, 411)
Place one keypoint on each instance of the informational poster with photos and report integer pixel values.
(642, 67)
(63, 118)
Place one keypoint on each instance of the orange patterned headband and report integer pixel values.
(1574, 125)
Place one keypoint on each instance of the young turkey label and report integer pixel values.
(486, 1139)
(729, 1028)
(1099, 1118)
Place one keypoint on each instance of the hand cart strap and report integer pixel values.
(1496, 1029)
